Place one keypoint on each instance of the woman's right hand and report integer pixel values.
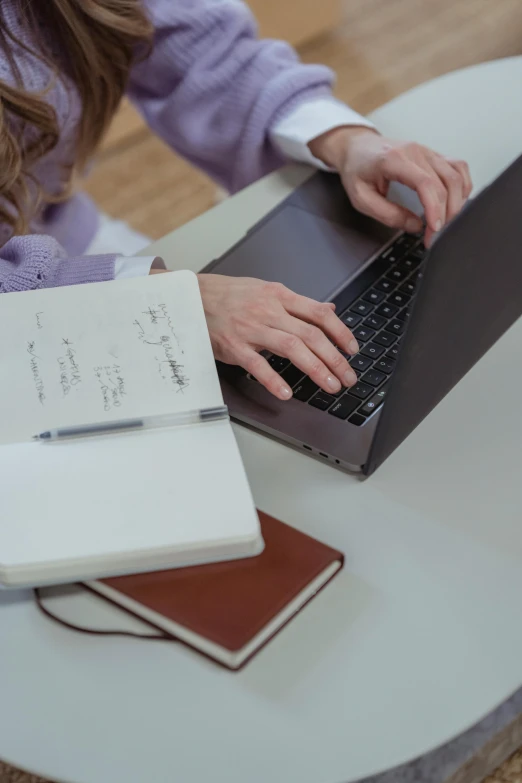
(246, 316)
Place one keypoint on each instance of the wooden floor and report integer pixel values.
(382, 48)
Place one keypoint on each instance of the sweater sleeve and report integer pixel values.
(212, 90)
(37, 261)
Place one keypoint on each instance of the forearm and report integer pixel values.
(37, 261)
(213, 91)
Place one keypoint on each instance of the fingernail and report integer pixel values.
(333, 383)
(438, 225)
(412, 226)
(353, 347)
(350, 378)
(286, 393)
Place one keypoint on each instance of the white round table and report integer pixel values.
(416, 640)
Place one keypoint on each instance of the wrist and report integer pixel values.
(333, 147)
(158, 266)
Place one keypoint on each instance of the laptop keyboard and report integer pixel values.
(377, 319)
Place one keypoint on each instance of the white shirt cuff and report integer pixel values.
(132, 267)
(291, 135)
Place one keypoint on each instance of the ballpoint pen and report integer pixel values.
(126, 425)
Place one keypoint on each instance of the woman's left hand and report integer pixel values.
(368, 163)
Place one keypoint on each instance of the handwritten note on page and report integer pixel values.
(102, 352)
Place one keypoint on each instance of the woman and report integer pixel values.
(233, 105)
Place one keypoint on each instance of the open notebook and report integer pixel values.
(117, 503)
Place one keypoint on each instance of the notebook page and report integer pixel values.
(102, 352)
(163, 491)
(161, 488)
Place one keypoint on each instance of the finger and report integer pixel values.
(428, 187)
(321, 316)
(452, 181)
(292, 347)
(429, 236)
(315, 339)
(372, 203)
(425, 158)
(463, 169)
(258, 367)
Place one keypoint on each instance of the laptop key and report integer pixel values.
(397, 274)
(357, 419)
(363, 334)
(360, 363)
(351, 319)
(393, 352)
(372, 350)
(385, 365)
(387, 310)
(375, 297)
(374, 377)
(398, 299)
(292, 375)
(420, 252)
(407, 288)
(386, 285)
(374, 402)
(410, 263)
(406, 241)
(361, 390)
(407, 265)
(322, 400)
(362, 308)
(278, 363)
(344, 407)
(403, 315)
(385, 338)
(393, 254)
(399, 248)
(304, 389)
(375, 321)
(395, 327)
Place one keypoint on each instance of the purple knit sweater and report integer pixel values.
(210, 88)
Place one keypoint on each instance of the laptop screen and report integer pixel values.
(471, 293)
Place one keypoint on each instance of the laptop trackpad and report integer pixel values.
(308, 254)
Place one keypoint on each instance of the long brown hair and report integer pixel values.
(97, 42)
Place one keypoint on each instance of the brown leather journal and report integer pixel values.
(228, 611)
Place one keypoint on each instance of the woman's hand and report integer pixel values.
(245, 316)
(368, 163)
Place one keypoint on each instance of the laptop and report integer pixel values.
(422, 318)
